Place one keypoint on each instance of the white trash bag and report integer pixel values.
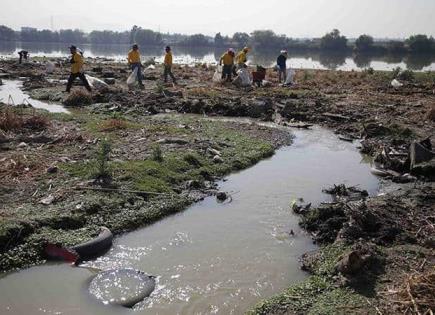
(96, 83)
(243, 78)
(289, 79)
(396, 84)
(49, 67)
(217, 76)
(132, 79)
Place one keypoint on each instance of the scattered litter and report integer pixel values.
(289, 80)
(96, 83)
(132, 79)
(396, 84)
(217, 76)
(47, 200)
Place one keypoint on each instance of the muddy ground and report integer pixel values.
(376, 254)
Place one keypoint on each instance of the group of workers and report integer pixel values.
(133, 59)
(229, 60)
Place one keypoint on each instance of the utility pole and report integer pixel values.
(52, 23)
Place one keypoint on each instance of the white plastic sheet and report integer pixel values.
(217, 76)
(396, 84)
(290, 77)
(243, 78)
(95, 82)
(49, 67)
(132, 79)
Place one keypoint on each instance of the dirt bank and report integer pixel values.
(377, 254)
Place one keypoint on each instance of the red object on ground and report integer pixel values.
(258, 76)
(58, 252)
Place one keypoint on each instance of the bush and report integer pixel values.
(103, 173)
(36, 122)
(157, 154)
(395, 72)
(9, 120)
(406, 75)
(78, 98)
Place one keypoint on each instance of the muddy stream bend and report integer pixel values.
(212, 258)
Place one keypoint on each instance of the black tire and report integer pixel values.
(96, 246)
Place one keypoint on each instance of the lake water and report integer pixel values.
(212, 258)
(209, 55)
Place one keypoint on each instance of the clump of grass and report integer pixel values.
(203, 92)
(406, 75)
(113, 124)
(369, 71)
(395, 72)
(78, 98)
(9, 120)
(192, 159)
(157, 154)
(36, 122)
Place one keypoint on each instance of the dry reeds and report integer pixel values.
(418, 293)
(113, 124)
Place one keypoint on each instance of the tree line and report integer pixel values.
(333, 41)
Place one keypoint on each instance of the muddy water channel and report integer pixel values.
(212, 258)
(11, 93)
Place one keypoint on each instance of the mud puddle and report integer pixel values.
(212, 258)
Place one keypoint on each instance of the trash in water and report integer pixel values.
(125, 287)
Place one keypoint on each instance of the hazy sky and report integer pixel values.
(295, 18)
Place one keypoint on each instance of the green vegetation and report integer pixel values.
(157, 154)
(333, 41)
(103, 172)
(364, 43)
(318, 294)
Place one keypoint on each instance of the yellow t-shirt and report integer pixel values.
(133, 56)
(168, 59)
(227, 59)
(241, 57)
(77, 66)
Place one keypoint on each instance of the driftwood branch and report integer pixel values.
(123, 191)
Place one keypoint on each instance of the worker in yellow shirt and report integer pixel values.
(77, 69)
(227, 60)
(241, 58)
(168, 65)
(133, 59)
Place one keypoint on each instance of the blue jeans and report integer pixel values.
(139, 71)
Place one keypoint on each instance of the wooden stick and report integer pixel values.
(408, 290)
(122, 190)
(374, 306)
